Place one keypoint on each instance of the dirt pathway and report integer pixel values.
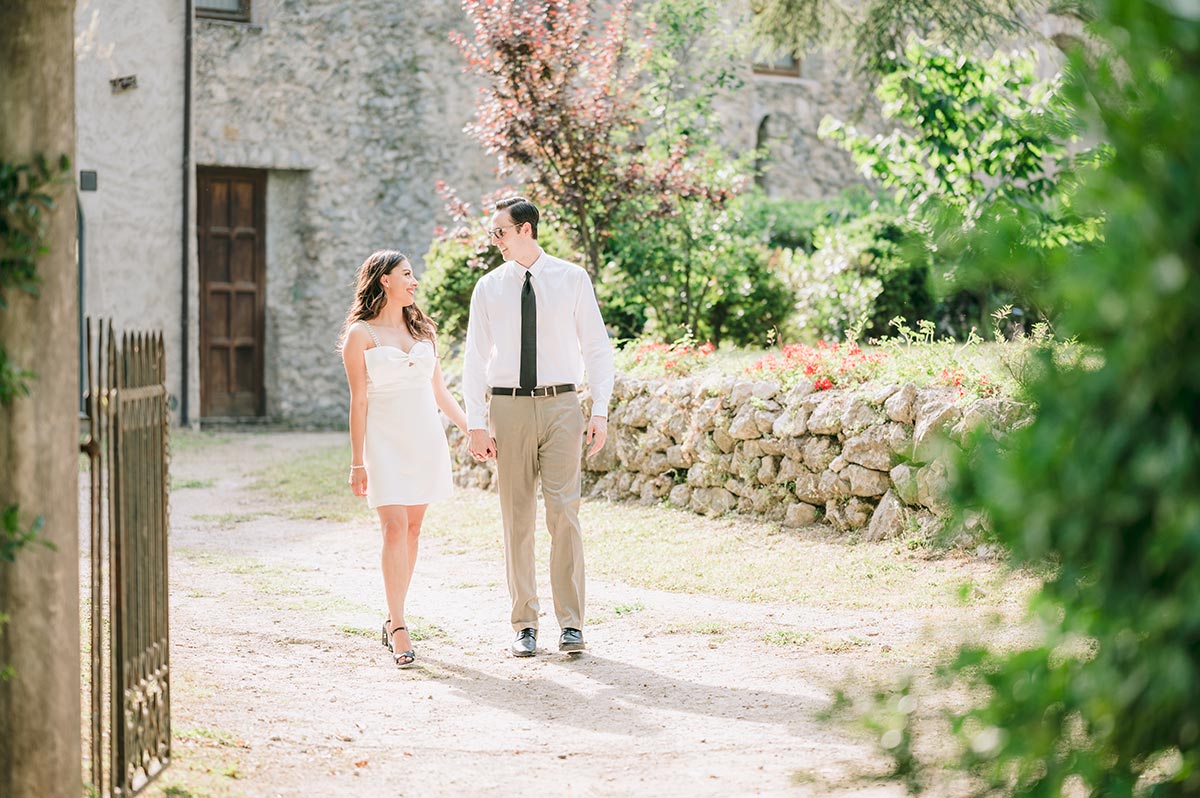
(281, 686)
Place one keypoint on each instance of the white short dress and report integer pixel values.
(406, 454)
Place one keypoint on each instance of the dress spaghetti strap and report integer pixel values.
(371, 330)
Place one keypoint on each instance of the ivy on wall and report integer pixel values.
(25, 205)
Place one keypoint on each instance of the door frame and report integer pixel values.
(259, 177)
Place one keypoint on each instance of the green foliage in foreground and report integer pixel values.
(1106, 481)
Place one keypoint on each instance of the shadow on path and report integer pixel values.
(622, 689)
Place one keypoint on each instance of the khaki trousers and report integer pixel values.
(540, 436)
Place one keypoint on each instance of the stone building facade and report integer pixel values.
(301, 135)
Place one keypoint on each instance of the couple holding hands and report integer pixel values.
(534, 327)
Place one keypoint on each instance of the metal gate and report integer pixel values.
(125, 440)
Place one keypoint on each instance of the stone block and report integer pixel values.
(899, 406)
(800, 515)
(713, 501)
(888, 520)
(865, 481)
(877, 446)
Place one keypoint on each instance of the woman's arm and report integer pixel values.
(356, 376)
(445, 399)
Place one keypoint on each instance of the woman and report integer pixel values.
(399, 457)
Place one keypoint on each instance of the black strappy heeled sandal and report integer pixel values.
(403, 659)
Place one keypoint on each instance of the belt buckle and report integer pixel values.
(543, 391)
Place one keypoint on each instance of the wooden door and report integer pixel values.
(232, 231)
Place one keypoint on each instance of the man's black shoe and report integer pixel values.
(526, 642)
(571, 640)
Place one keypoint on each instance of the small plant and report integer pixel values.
(652, 358)
(14, 536)
(825, 365)
(947, 362)
(786, 637)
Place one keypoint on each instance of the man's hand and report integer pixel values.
(481, 445)
(597, 433)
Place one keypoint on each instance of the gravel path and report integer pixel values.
(281, 687)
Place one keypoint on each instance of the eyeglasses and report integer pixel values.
(497, 233)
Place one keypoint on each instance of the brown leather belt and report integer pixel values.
(549, 390)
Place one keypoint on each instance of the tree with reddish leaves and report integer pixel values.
(559, 105)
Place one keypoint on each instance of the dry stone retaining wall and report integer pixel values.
(862, 458)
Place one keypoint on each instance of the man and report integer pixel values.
(534, 326)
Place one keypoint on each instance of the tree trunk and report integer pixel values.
(39, 440)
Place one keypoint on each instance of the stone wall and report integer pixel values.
(865, 458)
(354, 110)
(781, 115)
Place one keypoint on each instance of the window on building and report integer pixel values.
(784, 64)
(236, 10)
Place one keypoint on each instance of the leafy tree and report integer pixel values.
(1105, 483)
(691, 273)
(971, 135)
(556, 103)
(559, 105)
(677, 262)
(618, 142)
(793, 224)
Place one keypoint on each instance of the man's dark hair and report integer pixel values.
(521, 210)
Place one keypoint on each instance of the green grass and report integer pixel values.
(733, 557)
(186, 440)
(786, 637)
(418, 629)
(190, 484)
(313, 486)
(175, 791)
(663, 548)
(281, 588)
(214, 737)
(711, 628)
(226, 520)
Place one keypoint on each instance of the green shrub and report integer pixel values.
(793, 224)
(452, 266)
(970, 132)
(690, 273)
(861, 275)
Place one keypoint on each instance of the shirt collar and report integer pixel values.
(536, 269)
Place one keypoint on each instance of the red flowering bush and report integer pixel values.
(826, 365)
(655, 358)
(968, 383)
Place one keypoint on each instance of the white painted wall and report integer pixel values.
(134, 141)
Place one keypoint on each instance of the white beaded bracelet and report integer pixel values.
(354, 467)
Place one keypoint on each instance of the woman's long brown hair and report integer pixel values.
(369, 298)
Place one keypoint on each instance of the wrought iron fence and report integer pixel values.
(125, 441)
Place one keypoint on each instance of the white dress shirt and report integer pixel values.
(570, 334)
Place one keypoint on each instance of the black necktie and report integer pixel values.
(528, 335)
